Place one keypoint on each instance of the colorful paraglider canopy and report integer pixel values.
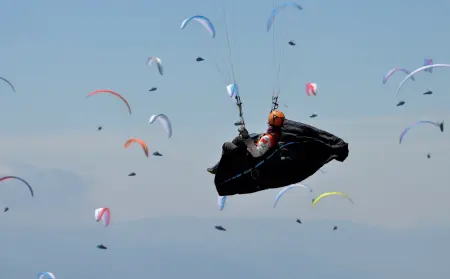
(18, 178)
(278, 9)
(437, 124)
(46, 275)
(426, 62)
(155, 60)
(164, 120)
(424, 68)
(282, 192)
(392, 71)
(311, 89)
(327, 194)
(103, 214)
(138, 141)
(221, 200)
(301, 152)
(9, 83)
(207, 24)
(112, 93)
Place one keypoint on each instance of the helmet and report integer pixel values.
(276, 118)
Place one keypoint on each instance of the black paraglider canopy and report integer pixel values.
(301, 152)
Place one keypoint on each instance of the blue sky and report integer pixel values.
(57, 52)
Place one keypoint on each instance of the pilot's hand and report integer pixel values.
(243, 132)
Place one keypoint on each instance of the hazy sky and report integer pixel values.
(56, 52)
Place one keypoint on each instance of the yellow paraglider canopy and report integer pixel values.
(329, 194)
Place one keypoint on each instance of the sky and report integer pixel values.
(56, 52)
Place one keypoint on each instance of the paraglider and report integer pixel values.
(278, 9)
(426, 62)
(437, 124)
(207, 24)
(292, 43)
(153, 89)
(156, 153)
(9, 83)
(313, 115)
(112, 93)
(316, 200)
(299, 221)
(45, 275)
(401, 103)
(99, 128)
(18, 178)
(391, 72)
(155, 60)
(140, 142)
(164, 121)
(282, 192)
(101, 246)
(301, 151)
(221, 200)
(132, 174)
(419, 70)
(429, 92)
(199, 59)
(311, 89)
(220, 228)
(103, 214)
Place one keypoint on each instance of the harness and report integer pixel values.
(255, 170)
